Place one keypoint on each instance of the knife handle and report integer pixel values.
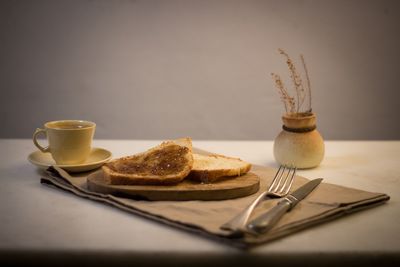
(266, 221)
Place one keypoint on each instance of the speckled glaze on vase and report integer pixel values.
(299, 144)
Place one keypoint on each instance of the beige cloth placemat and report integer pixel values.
(325, 203)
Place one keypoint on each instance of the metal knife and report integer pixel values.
(266, 221)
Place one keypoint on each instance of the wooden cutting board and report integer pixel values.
(186, 190)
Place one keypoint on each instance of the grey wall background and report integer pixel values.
(163, 69)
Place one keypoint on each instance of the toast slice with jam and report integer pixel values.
(167, 163)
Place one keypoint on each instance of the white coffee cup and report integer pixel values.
(69, 141)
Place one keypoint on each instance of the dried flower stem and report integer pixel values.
(297, 81)
(308, 82)
(287, 100)
(291, 105)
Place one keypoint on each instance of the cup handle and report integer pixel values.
(37, 132)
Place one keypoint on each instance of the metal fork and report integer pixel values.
(279, 187)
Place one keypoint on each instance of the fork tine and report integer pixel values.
(284, 181)
(277, 174)
(278, 180)
(290, 181)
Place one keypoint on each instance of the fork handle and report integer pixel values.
(266, 221)
(240, 220)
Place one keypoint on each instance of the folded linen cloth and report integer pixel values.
(326, 203)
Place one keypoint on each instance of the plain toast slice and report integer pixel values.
(214, 167)
(167, 163)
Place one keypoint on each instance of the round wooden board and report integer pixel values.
(186, 190)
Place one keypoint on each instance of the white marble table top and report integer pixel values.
(37, 220)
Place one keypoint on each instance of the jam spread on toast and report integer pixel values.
(168, 160)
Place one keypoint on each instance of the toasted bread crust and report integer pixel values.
(118, 174)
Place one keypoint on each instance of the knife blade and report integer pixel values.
(267, 220)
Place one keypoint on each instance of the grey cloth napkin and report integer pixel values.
(326, 203)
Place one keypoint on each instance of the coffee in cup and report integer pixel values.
(69, 141)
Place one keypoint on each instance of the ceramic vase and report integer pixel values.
(299, 144)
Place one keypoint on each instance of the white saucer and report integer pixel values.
(97, 157)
